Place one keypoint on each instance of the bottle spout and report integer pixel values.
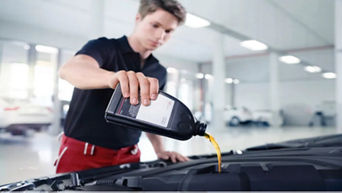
(200, 128)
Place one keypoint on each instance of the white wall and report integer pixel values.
(177, 63)
(298, 99)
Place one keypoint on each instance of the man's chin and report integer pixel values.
(151, 48)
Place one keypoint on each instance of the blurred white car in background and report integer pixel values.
(237, 116)
(20, 117)
(241, 116)
(264, 118)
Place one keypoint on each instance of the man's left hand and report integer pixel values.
(173, 156)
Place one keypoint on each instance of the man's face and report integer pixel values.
(155, 28)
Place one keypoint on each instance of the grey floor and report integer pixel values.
(25, 158)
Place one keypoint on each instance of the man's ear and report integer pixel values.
(138, 18)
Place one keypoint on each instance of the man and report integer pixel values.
(90, 142)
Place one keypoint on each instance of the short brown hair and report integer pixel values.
(171, 6)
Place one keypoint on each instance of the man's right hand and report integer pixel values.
(80, 66)
(131, 82)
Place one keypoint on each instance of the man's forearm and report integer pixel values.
(157, 142)
(84, 72)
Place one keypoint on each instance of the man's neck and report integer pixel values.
(137, 47)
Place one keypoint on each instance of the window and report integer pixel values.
(14, 69)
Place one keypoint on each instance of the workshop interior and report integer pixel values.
(254, 91)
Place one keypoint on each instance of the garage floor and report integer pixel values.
(25, 158)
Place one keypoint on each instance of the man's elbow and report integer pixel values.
(62, 73)
(65, 71)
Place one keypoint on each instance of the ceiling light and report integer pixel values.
(46, 49)
(312, 69)
(253, 45)
(172, 70)
(232, 81)
(289, 59)
(229, 80)
(199, 75)
(208, 77)
(329, 75)
(236, 81)
(194, 21)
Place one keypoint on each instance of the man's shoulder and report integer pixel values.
(104, 41)
(103, 45)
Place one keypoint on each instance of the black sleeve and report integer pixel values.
(163, 80)
(100, 49)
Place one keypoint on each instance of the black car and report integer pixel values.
(306, 164)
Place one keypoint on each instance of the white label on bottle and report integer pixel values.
(158, 112)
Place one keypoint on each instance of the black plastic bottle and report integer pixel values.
(165, 116)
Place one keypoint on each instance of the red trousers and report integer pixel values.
(75, 155)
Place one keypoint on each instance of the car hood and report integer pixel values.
(322, 141)
(305, 164)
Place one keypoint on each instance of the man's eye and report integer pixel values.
(167, 31)
(155, 25)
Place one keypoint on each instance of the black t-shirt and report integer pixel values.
(85, 119)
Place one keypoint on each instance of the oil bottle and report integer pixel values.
(165, 116)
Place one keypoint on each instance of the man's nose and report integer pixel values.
(160, 35)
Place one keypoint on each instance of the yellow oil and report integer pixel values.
(217, 148)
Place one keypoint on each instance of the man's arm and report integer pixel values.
(158, 147)
(84, 72)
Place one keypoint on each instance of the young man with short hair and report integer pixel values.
(90, 142)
